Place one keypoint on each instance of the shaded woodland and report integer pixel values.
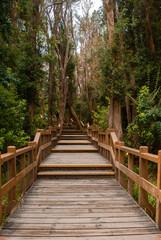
(101, 67)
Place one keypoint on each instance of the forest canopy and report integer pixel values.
(58, 58)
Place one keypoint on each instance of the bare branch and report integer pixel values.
(56, 3)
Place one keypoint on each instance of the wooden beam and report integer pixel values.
(158, 207)
(121, 159)
(0, 191)
(11, 170)
(130, 166)
(143, 173)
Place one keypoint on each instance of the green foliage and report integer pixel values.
(12, 115)
(136, 192)
(147, 124)
(100, 118)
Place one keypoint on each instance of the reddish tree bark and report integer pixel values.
(151, 39)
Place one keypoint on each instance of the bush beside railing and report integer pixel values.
(122, 159)
(21, 167)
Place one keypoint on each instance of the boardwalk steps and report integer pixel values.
(74, 146)
(86, 209)
(83, 207)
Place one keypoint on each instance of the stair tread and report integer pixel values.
(73, 165)
(73, 141)
(75, 147)
(76, 173)
(76, 165)
(75, 135)
(75, 150)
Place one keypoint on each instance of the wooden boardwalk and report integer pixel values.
(62, 206)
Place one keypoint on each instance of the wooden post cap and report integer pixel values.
(112, 130)
(159, 155)
(117, 143)
(11, 149)
(32, 143)
(40, 130)
(143, 149)
(121, 143)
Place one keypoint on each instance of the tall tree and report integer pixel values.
(115, 120)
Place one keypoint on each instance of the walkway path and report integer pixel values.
(62, 206)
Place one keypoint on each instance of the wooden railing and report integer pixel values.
(123, 160)
(20, 167)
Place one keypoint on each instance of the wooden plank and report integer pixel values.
(76, 215)
(76, 194)
(139, 237)
(132, 151)
(74, 226)
(77, 166)
(23, 150)
(84, 232)
(75, 150)
(129, 173)
(10, 184)
(11, 172)
(87, 220)
(158, 207)
(129, 237)
(59, 198)
(143, 173)
(23, 165)
(79, 210)
(0, 189)
(130, 166)
(6, 157)
(73, 173)
(150, 157)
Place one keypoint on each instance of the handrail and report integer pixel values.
(32, 156)
(123, 159)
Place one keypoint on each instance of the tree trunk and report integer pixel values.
(74, 115)
(87, 96)
(61, 109)
(111, 113)
(63, 100)
(117, 121)
(51, 69)
(151, 39)
(128, 110)
(80, 104)
(110, 19)
(105, 11)
(132, 77)
(33, 31)
(31, 109)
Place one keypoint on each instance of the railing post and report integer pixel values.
(23, 165)
(143, 173)
(121, 157)
(117, 160)
(106, 142)
(51, 135)
(99, 141)
(49, 141)
(11, 169)
(34, 159)
(130, 166)
(0, 190)
(31, 158)
(158, 207)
